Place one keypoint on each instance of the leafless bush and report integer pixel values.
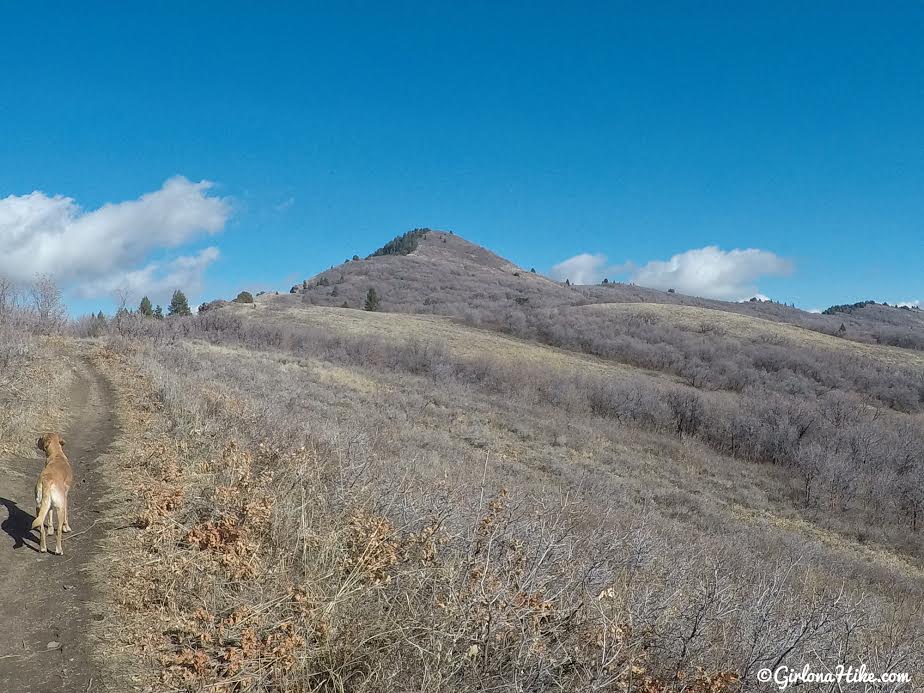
(319, 552)
(15, 340)
(722, 362)
(47, 304)
(863, 466)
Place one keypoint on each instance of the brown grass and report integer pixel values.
(744, 327)
(461, 341)
(298, 532)
(33, 395)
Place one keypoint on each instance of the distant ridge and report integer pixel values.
(439, 272)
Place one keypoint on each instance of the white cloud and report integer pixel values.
(587, 269)
(156, 279)
(98, 251)
(910, 304)
(712, 272)
(580, 269)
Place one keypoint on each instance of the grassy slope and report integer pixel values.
(448, 275)
(694, 491)
(720, 493)
(862, 324)
(461, 341)
(331, 442)
(432, 440)
(751, 328)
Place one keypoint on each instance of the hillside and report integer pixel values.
(459, 341)
(742, 327)
(444, 275)
(871, 322)
(427, 476)
(493, 477)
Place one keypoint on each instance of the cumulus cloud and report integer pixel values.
(587, 269)
(157, 279)
(98, 251)
(712, 272)
(580, 269)
(910, 304)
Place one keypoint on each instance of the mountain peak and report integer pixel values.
(432, 271)
(447, 246)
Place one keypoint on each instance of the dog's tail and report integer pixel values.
(43, 508)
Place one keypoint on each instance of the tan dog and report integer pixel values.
(52, 488)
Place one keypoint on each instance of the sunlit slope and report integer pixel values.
(462, 341)
(722, 324)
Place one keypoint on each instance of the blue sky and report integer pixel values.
(638, 132)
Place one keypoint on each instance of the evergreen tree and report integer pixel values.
(178, 305)
(402, 245)
(159, 312)
(145, 308)
(567, 282)
(372, 301)
(244, 297)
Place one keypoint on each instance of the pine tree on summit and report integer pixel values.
(145, 308)
(178, 305)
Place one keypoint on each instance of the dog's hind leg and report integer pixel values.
(59, 549)
(67, 524)
(50, 520)
(42, 547)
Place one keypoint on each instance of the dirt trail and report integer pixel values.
(48, 599)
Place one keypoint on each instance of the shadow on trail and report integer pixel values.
(18, 524)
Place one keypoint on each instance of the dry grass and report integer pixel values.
(461, 341)
(33, 394)
(743, 327)
(303, 525)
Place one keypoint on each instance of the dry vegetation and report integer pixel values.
(447, 275)
(436, 332)
(34, 376)
(326, 511)
(444, 275)
(548, 497)
(744, 328)
(819, 409)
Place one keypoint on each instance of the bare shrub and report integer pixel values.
(47, 304)
(312, 548)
